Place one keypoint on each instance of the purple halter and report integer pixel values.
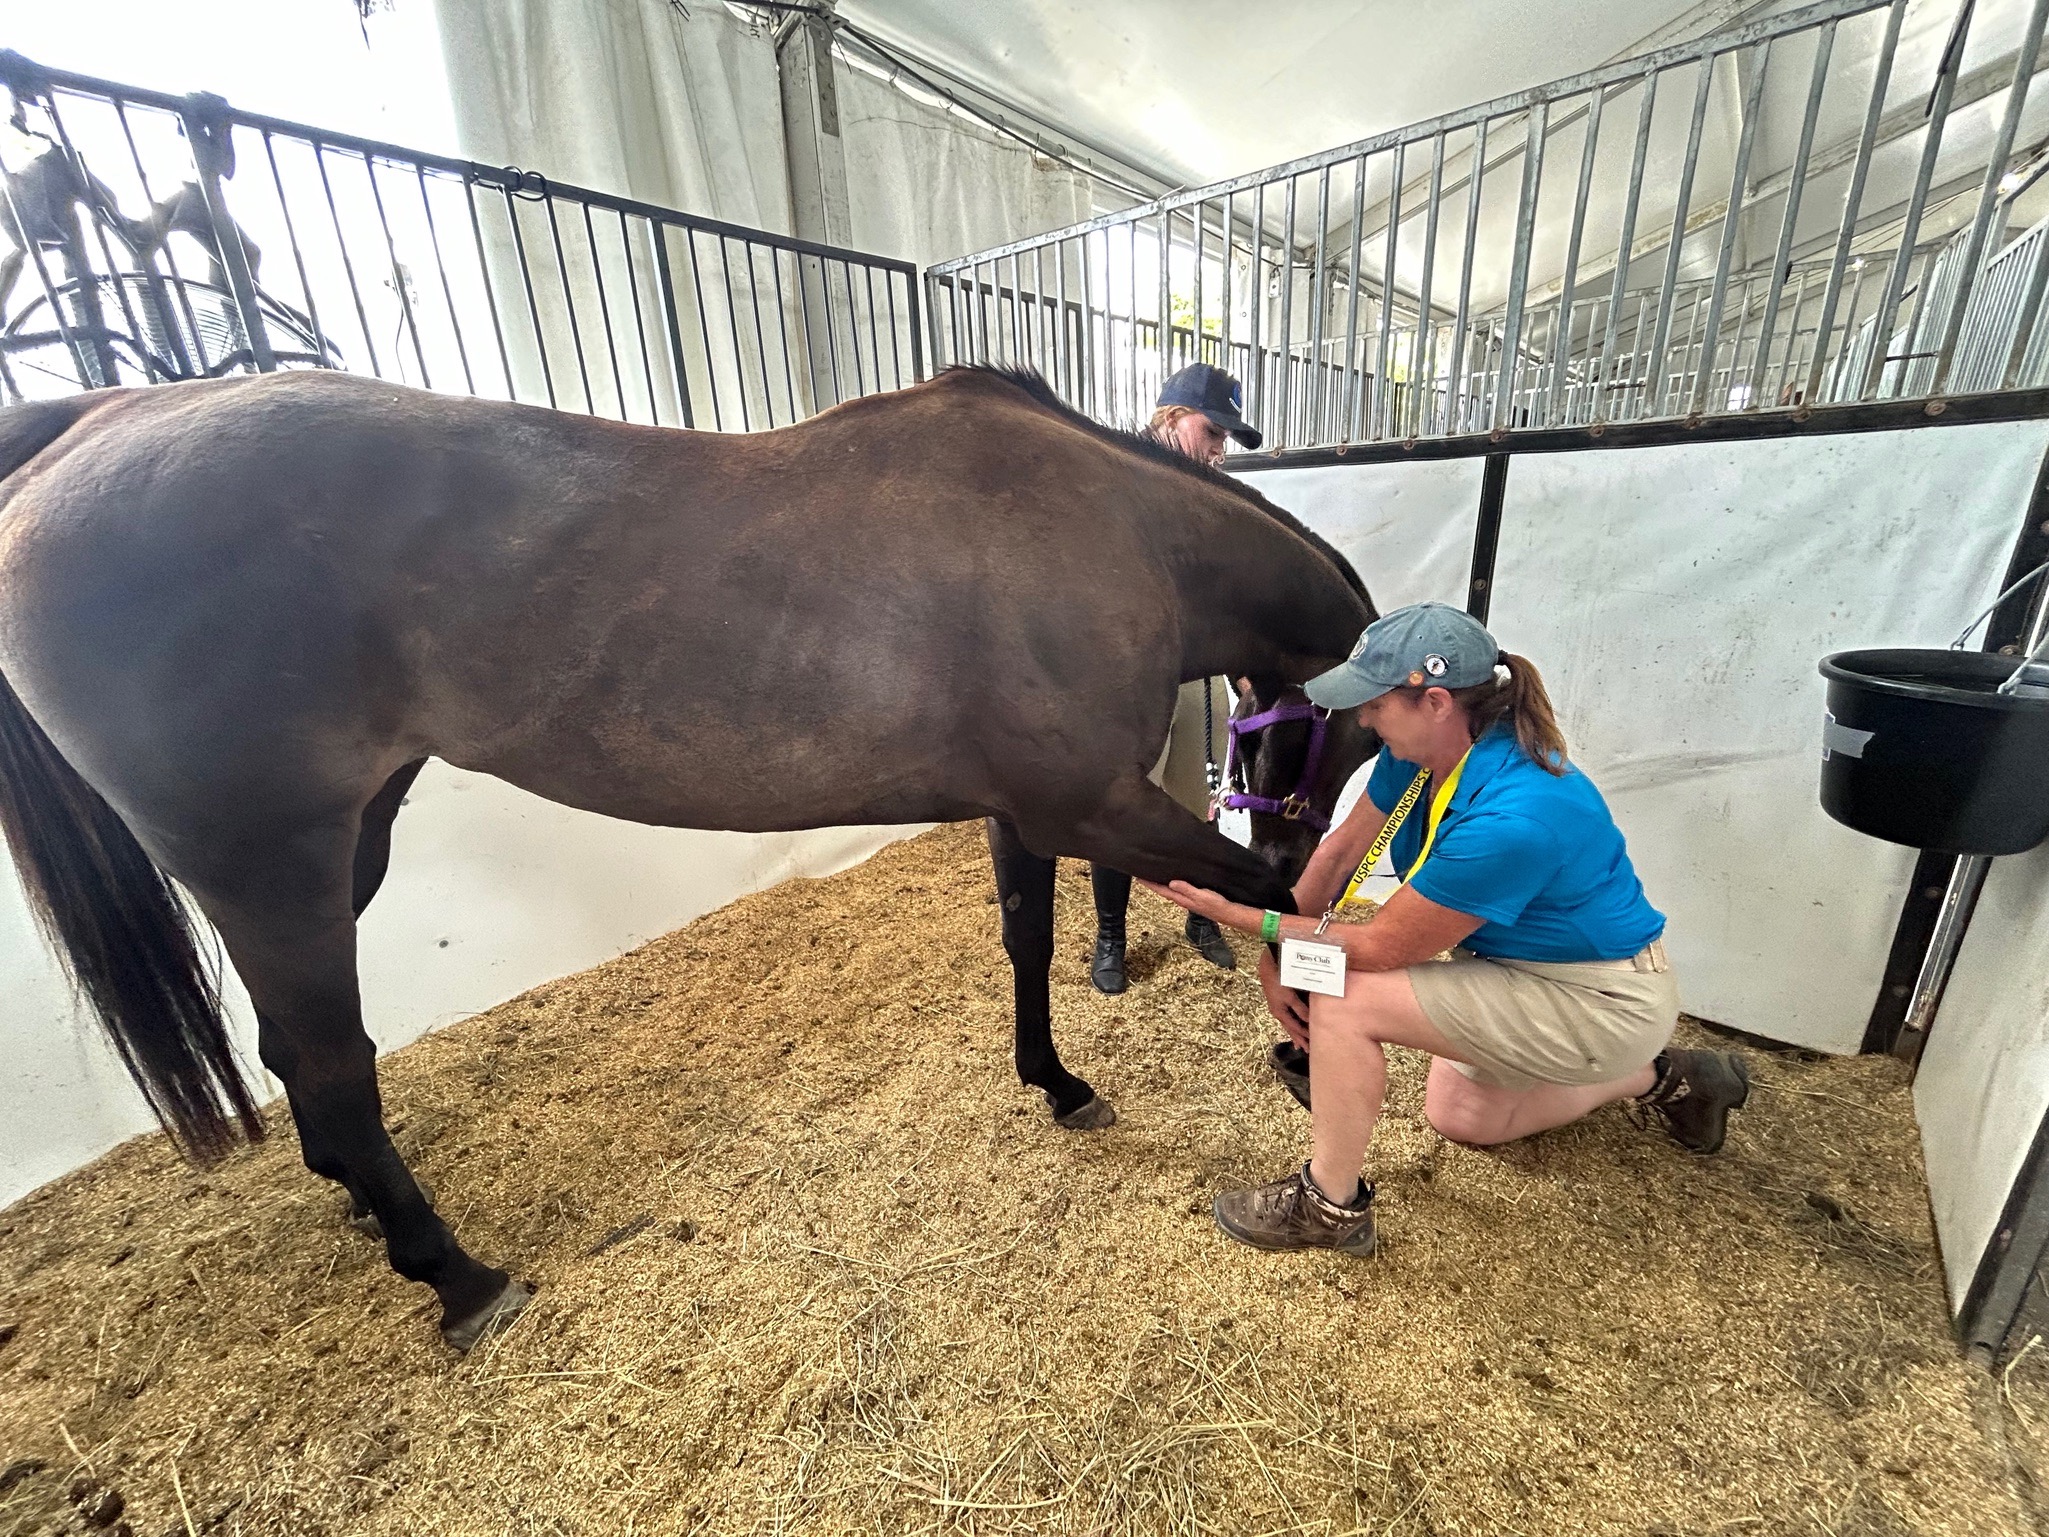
(1294, 806)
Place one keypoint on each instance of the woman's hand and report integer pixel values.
(1208, 904)
(1286, 1005)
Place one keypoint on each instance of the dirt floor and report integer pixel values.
(810, 1260)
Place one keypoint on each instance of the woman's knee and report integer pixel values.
(1460, 1110)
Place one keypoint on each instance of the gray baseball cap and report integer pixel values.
(1426, 645)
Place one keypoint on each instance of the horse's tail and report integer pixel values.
(121, 930)
(124, 935)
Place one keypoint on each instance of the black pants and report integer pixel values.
(1112, 890)
(1113, 896)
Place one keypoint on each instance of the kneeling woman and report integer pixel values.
(1558, 998)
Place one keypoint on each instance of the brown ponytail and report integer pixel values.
(1522, 701)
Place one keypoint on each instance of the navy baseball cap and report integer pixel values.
(1426, 645)
(1216, 395)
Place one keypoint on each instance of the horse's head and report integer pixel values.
(1287, 764)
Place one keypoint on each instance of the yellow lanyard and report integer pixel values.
(1393, 824)
(1438, 802)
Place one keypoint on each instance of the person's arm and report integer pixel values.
(1408, 930)
(1485, 868)
(1337, 856)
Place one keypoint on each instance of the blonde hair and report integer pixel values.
(1167, 416)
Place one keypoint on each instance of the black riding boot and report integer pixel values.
(1204, 934)
(1113, 896)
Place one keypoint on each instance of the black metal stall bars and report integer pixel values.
(158, 237)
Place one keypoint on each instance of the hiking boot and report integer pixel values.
(1695, 1092)
(1291, 1068)
(1204, 934)
(1107, 969)
(1292, 1213)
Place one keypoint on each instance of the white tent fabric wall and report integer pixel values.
(1983, 1084)
(491, 891)
(1678, 600)
(924, 184)
(634, 97)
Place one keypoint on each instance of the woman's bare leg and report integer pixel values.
(1348, 1068)
(1483, 1114)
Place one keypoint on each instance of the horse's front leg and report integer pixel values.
(1138, 827)
(1024, 887)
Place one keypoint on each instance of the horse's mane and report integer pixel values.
(1034, 384)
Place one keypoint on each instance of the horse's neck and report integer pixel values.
(1256, 598)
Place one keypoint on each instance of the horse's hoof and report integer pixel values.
(1093, 1116)
(494, 1315)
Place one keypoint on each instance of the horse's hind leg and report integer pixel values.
(291, 933)
(274, 1047)
(1024, 886)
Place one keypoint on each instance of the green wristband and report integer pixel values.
(1270, 926)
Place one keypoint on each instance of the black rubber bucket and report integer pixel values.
(1919, 748)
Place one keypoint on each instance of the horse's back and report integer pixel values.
(315, 577)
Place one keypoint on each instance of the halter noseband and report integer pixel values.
(1295, 805)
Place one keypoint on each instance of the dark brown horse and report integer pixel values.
(236, 617)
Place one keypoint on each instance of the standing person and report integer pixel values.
(1198, 413)
(1558, 999)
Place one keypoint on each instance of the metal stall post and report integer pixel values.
(1903, 259)
(1775, 282)
(211, 132)
(1503, 414)
(1988, 196)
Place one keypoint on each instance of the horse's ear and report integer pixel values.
(1266, 688)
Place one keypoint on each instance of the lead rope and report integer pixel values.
(1212, 775)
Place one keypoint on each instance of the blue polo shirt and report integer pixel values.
(1535, 854)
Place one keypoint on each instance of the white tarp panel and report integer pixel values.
(1983, 1084)
(491, 891)
(1407, 527)
(1678, 600)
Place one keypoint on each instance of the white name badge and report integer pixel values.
(1313, 967)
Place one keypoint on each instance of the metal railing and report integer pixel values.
(1587, 251)
(159, 237)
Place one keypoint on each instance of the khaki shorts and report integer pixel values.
(1518, 1023)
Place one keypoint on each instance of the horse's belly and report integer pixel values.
(732, 789)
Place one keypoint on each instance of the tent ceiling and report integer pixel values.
(1192, 91)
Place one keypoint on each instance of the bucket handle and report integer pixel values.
(1965, 633)
(2033, 659)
